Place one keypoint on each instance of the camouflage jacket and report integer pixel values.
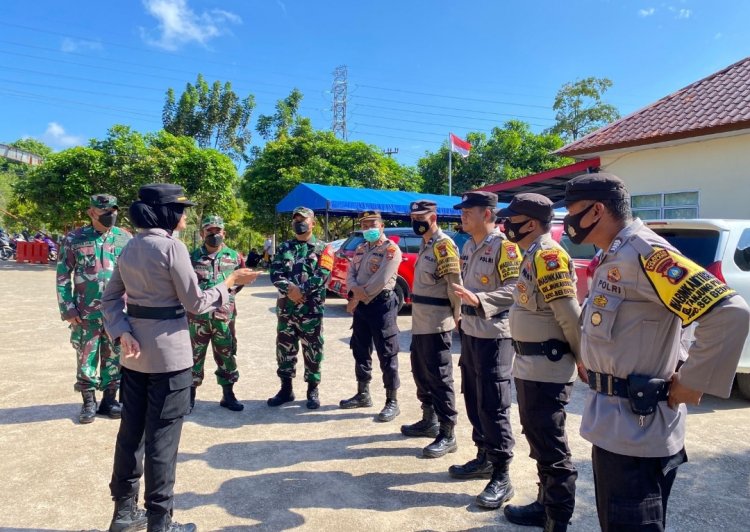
(307, 265)
(89, 258)
(214, 269)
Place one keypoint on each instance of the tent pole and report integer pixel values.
(327, 234)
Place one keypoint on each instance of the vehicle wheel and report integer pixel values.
(6, 253)
(743, 383)
(400, 294)
(52, 256)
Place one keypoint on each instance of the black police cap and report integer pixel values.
(163, 193)
(422, 207)
(479, 198)
(528, 204)
(597, 186)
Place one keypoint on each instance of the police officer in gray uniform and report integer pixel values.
(435, 311)
(371, 280)
(155, 277)
(546, 337)
(644, 291)
(489, 267)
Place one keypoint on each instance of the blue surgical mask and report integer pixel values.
(371, 235)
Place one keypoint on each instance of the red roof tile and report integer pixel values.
(716, 104)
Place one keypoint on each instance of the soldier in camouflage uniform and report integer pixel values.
(299, 271)
(213, 262)
(87, 259)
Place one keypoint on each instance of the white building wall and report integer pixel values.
(719, 169)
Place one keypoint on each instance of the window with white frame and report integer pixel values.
(667, 205)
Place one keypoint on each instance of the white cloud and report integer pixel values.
(79, 45)
(56, 136)
(179, 24)
(684, 13)
(646, 12)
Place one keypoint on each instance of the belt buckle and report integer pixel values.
(598, 382)
(610, 384)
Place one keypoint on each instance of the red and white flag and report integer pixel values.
(459, 145)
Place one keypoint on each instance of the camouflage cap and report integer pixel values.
(212, 220)
(103, 201)
(303, 211)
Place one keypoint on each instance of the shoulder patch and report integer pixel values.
(553, 274)
(684, 287)
(446, 256)
(508, 261)
(326, 259)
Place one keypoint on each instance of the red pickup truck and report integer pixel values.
(409, 244)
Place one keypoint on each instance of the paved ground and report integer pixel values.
(289, 468)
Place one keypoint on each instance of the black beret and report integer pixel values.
(163, 193)
(596, 186)
(477, 199)
(532, 205)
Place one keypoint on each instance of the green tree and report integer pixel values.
(14, 216)
(580, 109)
(214, 116)
(286, 120)
(307, 156)
(119, 165)
(509, 152)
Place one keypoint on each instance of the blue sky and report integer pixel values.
(417, 69)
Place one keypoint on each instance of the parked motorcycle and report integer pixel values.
(41, 236)
(6, 249)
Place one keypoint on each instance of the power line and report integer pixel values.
(462, 98)
(426, 123)
(415, 111)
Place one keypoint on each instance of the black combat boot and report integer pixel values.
(88, 410)
(555, 526)
(128, 517)
(427, 427)
(391, 409)
(529, 515)
(361, 400)
(193, 393)
(164, 523)
(444, 443)
(478, 467)
(228, 399)
(285, 395)
(313, 396)
(499, 488)
(109, 405)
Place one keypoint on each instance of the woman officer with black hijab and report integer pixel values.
(155, 274)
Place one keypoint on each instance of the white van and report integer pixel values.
(723, 248)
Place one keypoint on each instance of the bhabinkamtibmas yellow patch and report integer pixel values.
(553, 274)
(446, 255)
(686, 289)
(508, 261)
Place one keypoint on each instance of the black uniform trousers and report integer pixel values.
(432, 367)
(375, 323)
(632, 491)
(541, 407)
(153, 406)
(486, 365)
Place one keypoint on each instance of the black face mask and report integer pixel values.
(300, 228)
(214, 240)
(572, 225)
(513, 230)
(420, 228)
(108, 218)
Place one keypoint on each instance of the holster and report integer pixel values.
(644, 393)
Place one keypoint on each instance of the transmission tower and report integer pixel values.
(339, 101)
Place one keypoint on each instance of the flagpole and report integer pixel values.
(450, 164)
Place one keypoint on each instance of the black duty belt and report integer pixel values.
(610, 385)
(468, 310)
(382, 296)
(552, 349)
(427, 300)
(155, 313)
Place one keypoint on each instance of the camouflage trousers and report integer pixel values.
(290, 331)
(94, 351)
(220, 334)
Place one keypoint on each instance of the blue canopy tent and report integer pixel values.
(347, 201)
